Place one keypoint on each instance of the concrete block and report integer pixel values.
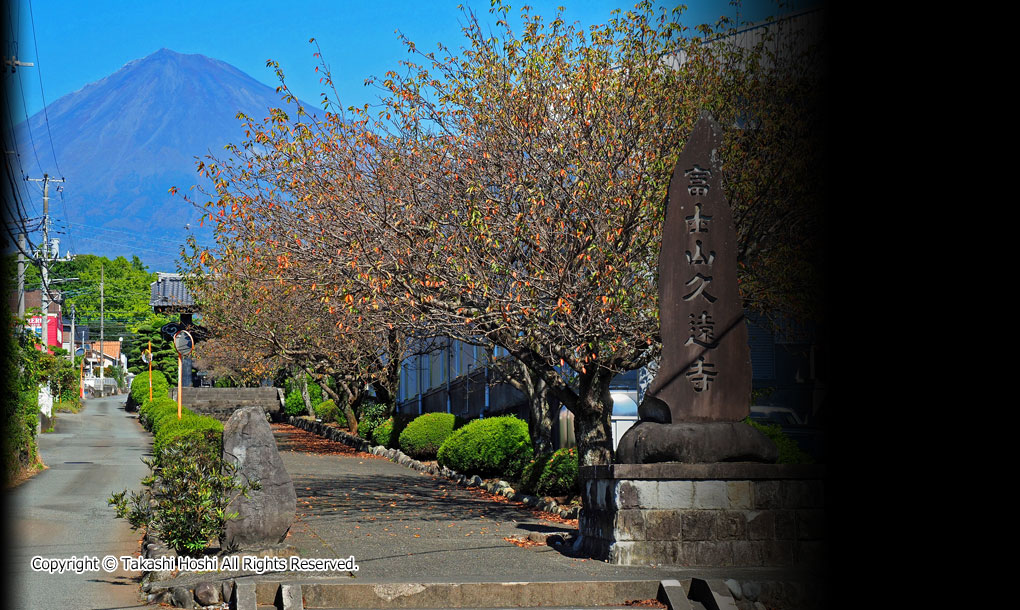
(676, 494)
(697, 525)
(810, 524)
(290, 596)
(636, 494)
(711, 494)
(739, 494)
(768, 494)
(761, 525)
(777, 552)
(730, 525)
(672, 593)
(662, 524)
(629, 524)
(748, 553)
(244, 595)
(786, 528)
(709, 553)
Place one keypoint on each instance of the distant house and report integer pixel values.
(110, 355)
(33, 313)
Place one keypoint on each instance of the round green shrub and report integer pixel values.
(382, 435)
(423, 436)
(559, 474)
(327, 411)
(488, 447)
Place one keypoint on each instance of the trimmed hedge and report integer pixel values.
(139, 393)
(159, 416)
(495, 446)
(422, 437)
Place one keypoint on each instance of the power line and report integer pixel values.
(46, 117)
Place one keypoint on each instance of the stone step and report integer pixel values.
(320, 595)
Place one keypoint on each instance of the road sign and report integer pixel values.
(184, 343)
(146, 356)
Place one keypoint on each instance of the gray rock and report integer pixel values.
(476, 481)
(207, 594)
(759, 606)
(751, 590)
(227, 589)
(266, 515)
(734, 588)
(180, 596)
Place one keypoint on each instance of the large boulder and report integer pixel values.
(265, 516)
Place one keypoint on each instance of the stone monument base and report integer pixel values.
(694, 442)
(724, 514)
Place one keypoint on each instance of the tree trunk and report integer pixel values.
(592, 422)
(305, 397)
(541, 421)
(344, 404)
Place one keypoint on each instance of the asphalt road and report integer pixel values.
(62, 511)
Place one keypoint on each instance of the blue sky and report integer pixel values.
(74, 43)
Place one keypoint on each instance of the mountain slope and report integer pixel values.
(122, 142)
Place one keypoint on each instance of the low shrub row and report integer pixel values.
(159, 416)
(139, 392)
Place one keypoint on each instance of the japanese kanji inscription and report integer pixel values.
(705, 371)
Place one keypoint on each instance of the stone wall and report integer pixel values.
(723, 514)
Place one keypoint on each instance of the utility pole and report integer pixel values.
(45, 262)
(21, 276)
(102, 319)
(71, 355)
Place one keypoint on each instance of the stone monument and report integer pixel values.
(265, 516)
(693, 408)
(692, 484)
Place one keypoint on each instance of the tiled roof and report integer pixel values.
(169, 293)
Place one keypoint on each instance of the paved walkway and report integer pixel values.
(62, 511)
(405, 526)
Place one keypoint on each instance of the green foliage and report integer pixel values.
(294, 404)
(206, 431)
(370, 416)
(488, 447)
(60, 374)
(328, 412)
(422, 437)
(789, 451)
(20, 395)
(383, 433)
(551, 474)
(185, 498)
(159, 416)
(559, 474)
(140, 388)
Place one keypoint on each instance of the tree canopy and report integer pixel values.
(514, 191)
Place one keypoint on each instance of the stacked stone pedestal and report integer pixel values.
(716, 514)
